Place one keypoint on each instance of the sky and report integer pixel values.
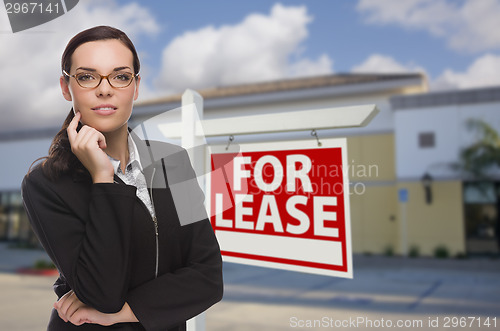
(200, 44)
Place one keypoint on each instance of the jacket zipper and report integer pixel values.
(155, 221)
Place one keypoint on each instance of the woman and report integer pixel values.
(104, 205)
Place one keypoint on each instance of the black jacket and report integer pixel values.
(102, 239)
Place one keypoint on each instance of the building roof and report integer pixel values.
(289, 85)
(446, 98)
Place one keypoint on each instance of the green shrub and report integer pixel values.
(44, 264)
(441, 252)
(389, 250)
(414, 251)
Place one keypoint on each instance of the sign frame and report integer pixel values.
(284, 146)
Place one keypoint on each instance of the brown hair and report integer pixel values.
(61, 159)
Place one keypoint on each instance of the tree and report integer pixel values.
(481, 160)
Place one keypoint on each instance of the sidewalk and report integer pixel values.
(415, 292)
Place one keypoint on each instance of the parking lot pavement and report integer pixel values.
(25, 302)
(423, 294)
(386, 292)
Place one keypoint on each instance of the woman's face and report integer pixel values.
(104, 107)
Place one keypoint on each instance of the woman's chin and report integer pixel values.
(106, 126)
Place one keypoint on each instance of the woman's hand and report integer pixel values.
(88, 145)
(71, 309)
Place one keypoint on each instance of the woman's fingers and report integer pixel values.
(62, 299)
(71, 309)
(84, 137)
(89, 138)
(68, 306)
(82, 315)
(63, 304)
(81, 138)
(101, 140)
(87, 134)
(88, 145)
(91, 315)
(79, 318)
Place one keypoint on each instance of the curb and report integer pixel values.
(38, 272)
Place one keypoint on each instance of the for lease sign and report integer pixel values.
(283, 205)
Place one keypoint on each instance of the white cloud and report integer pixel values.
(257, 49)
(378, 63)
(484, 71)
(30, 60)
(469, 25)
(307, 67)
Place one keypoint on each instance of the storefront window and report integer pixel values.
(3, 217)
(14, 224)
(481, 217)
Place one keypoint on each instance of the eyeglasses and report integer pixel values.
(119, 79)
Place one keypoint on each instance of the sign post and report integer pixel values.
(192, 113)
(309, 220)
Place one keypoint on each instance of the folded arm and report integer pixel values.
(90, 251)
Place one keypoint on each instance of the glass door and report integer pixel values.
(481, 218)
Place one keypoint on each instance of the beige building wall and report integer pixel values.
(377, 214)
(373, 193)
(373, 220)
(440, 223)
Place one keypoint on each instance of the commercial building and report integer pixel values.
(414, 132)
(431, 129)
